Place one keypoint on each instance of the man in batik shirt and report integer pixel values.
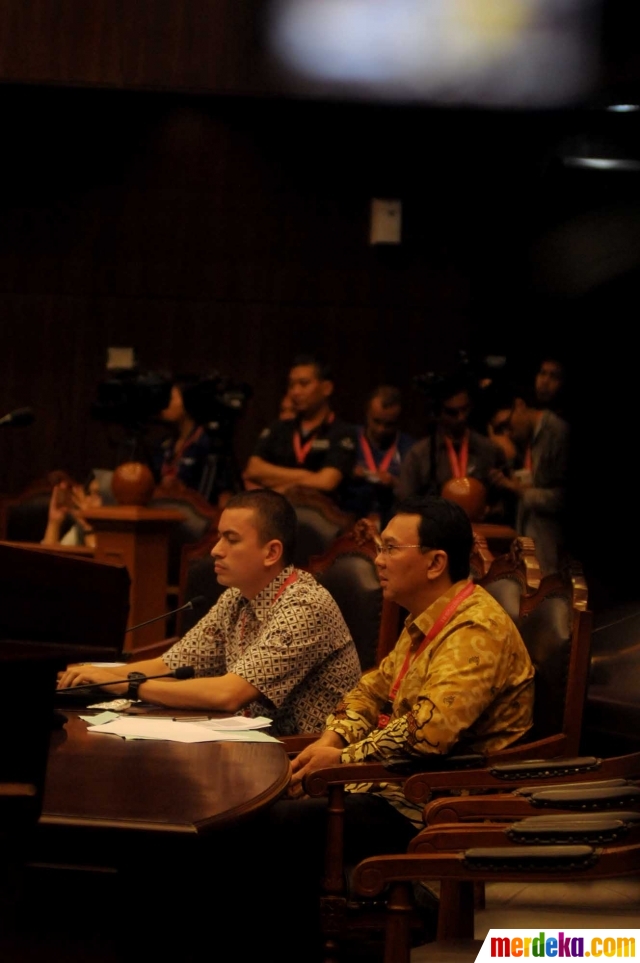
(274, 645)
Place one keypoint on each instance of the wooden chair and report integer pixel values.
(599, 814)
(558, 637)
(589, 795)
(502, 863)
(320, 522)
(200, 519)
(348, 572)
(613, 701)
(511, 576)
(23, 518)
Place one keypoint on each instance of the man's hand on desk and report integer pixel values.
(75, 675)
(323, 754)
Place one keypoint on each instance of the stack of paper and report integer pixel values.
(173, 730)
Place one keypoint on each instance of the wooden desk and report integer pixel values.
(98, 782)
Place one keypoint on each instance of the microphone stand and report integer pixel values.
(182, 670)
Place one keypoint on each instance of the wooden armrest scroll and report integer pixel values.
(317, 783)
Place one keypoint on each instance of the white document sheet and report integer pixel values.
(128, 727)
(236, 723)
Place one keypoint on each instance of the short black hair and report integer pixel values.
(389, 395)
(275, 517)
(323, 370)
(443, 525)
(454, 384)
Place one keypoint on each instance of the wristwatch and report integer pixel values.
(135, 681)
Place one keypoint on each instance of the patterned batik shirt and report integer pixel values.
(471, 687)
(292, 644)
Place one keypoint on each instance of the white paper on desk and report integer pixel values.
(168, 730)
(236, 723)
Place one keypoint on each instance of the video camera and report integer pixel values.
(134, 400)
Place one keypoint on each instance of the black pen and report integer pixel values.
(174, 718)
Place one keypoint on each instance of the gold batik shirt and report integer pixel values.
(471, 687)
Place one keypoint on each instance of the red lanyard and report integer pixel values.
(458, 464)
(528, 460)
(301, 450)
(171, 467)
(287, 582)
(435, 629)
(370, 460)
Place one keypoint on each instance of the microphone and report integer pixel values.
(19, 418)
(182, 672)
(192, 603)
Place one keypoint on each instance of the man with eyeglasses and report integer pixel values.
(452, 449)
(459, 677)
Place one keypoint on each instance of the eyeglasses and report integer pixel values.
(386, 548)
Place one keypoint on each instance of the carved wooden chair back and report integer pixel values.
(510, 577)
(320, 522)
(348, 572)
(200, 518)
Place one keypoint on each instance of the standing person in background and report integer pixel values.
(316, 449)
(381, 450)
(549, 385)
(539, 481)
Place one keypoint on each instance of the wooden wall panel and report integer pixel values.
(228, 235)
(208, 45)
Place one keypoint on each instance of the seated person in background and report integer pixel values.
(274, 644)
(316, 449)
(187, 454)
(540, 478)
(452, 450)
(68, 502)
(381, 449)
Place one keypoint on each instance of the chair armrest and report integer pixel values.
(497, 774)
(317, 783)
(587, 800)
(295, 744)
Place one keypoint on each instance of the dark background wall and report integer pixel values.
(230, 234)
(157, 190)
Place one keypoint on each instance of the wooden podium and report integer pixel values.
(138, 538)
